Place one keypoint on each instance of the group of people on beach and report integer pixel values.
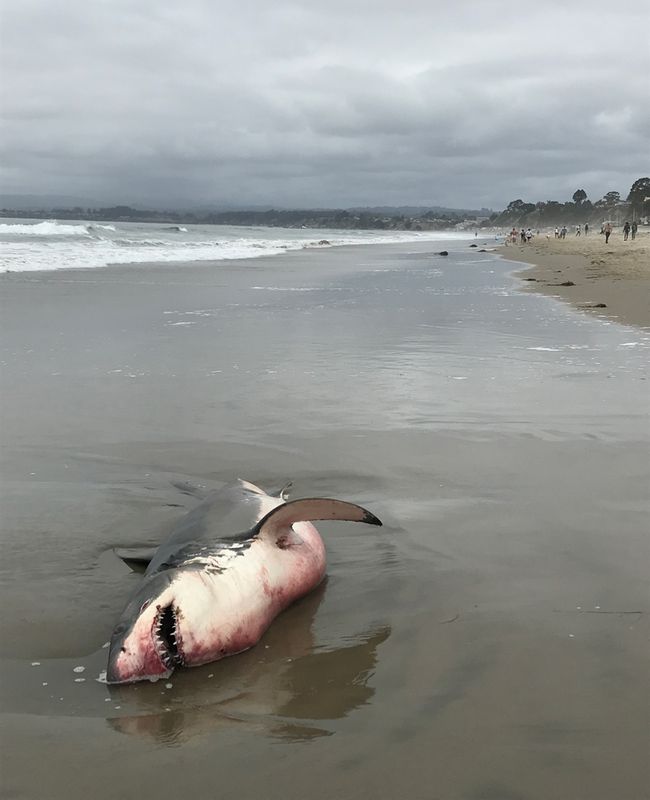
(524, 236)
(560, 233)
(630, 229)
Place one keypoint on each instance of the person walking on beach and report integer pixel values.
(557, 232)
(626, 230)
(633, 229)
(586, 228)
(607, 230)
(578, 230)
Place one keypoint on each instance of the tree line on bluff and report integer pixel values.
(579, 210)
(352, 219)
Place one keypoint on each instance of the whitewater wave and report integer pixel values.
(53, 245)
(47, 228)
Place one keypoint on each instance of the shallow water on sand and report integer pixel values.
(490, 641)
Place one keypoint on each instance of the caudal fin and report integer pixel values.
(276, 522)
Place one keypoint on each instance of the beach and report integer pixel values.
(610, 280)
(488, 642)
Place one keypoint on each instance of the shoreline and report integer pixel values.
(610, 281)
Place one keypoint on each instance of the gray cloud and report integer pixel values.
(311, 104)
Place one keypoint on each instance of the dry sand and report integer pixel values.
(612, 280)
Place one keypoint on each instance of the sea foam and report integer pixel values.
(47, 228)
(52, 245)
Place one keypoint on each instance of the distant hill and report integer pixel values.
(366, 219)
(418, 211)
(52, 202)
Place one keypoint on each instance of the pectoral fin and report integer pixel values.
(136, 558)
(276, 523)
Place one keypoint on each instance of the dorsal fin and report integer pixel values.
(250, 487)
(277, 521)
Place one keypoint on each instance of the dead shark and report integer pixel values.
(228, 568)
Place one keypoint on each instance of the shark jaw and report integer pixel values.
(147, 643)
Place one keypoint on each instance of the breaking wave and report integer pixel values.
(51, 245)
(48, 228)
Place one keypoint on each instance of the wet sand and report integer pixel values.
(488, 643)
(610, 280)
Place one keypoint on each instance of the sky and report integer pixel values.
(337, 103)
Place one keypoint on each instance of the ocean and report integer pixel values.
(27, 245)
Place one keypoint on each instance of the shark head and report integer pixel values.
(146, 642)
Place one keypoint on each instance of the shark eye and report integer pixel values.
(144, 605)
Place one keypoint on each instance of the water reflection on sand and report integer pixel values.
(291, 696)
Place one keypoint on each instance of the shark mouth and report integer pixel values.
(167, 638)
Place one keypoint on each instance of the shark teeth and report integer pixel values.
(167, 637)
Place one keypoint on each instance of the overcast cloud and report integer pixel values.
(335, 103)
